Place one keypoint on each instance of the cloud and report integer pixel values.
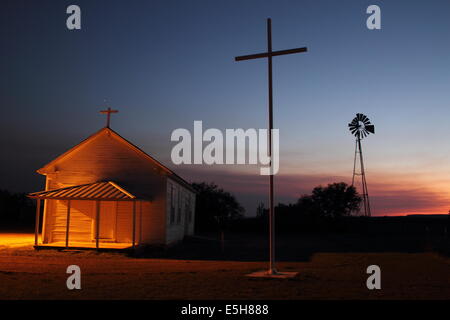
(389, 195)
(391, 199)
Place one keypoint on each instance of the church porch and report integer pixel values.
(86, 217)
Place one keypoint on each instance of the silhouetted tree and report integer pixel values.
(215, 208)
(16, 209)
(333, 201)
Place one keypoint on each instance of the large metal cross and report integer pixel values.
(108, 113)
(269, 54)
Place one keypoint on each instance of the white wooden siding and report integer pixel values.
(124, 222)
(81, 220)
(180, 226)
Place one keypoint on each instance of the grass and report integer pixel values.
(323, 274)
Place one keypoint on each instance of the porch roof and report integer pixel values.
(105, 190)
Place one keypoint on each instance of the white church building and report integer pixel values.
(107, 193)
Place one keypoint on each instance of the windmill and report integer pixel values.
(361, 127)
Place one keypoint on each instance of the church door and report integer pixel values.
(108, 216)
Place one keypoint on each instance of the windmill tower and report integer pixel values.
(361, 127)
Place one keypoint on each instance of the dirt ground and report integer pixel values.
(29, 274)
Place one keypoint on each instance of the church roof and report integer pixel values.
(105, 190)
(45, 169)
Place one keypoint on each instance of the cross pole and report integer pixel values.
(269, 54)
(108, 113)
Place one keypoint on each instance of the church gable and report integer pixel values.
(103, 156)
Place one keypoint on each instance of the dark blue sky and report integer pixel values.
(164, 64)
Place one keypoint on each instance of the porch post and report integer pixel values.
(134, 223)
(140, 221)
(67, 223)
(97, 225)
(36, 228)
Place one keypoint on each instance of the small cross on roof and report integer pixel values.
(108, 113)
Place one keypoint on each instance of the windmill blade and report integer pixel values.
(361, 126)
(370, 128)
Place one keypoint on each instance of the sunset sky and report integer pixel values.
(164, 64)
